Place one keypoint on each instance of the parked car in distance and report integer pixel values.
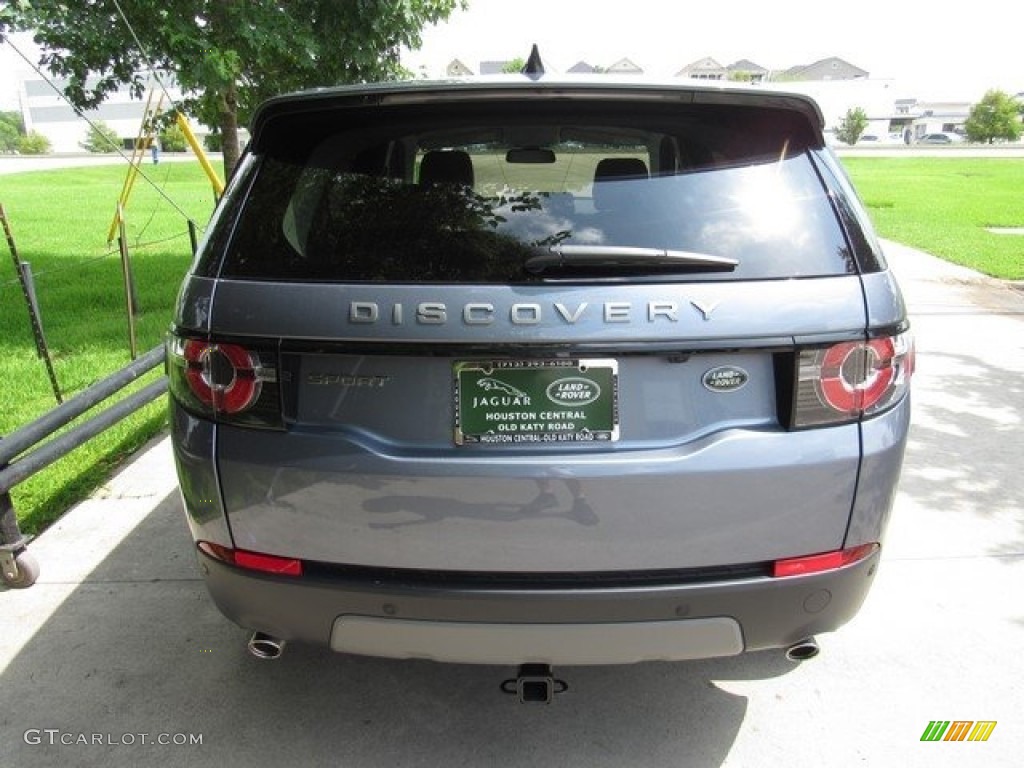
(939, 138)
(534, 370)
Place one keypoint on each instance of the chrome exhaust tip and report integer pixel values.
(803, 650)
(264, 646)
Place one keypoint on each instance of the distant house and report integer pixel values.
(582, 68)
(624, 67)
(456, 68)
(493, 67)
(704, 69)
(832, 68)
(939, 117)
(709, 69)
(747, 71)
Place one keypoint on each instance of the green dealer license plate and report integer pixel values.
(512, 402)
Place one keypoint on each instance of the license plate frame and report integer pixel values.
(523, 402)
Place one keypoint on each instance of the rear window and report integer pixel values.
(469, 193)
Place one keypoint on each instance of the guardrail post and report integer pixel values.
(17, 568)
(37, 328)
(131, 299)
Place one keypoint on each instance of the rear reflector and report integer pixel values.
(253, 561)
(825, 561)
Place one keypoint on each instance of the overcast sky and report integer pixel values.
(951, 50)
(924, 45)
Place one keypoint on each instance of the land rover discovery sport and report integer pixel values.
(523, 370)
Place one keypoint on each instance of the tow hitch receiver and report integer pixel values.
(535, 684)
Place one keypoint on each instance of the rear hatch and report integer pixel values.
(540, 332)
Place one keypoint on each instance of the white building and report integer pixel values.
(46, 111)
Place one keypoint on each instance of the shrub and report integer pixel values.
(172, 139)
(213, 142)
(101, 138)
(34, 143)
(8, 138)
(11, 127)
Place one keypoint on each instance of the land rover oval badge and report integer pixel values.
(725, 378)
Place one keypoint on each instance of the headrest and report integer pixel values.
(620, 168)
(608, 196)
(446, 167)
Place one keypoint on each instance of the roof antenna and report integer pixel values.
(533, 67)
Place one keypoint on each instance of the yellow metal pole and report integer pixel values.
(129, 283)
(138, 153)
(218, 185)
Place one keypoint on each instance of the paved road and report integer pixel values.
(25, 163)
(118, 642)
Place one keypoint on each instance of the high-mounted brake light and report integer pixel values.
(852, 379)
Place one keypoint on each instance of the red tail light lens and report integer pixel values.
(226, 381)
(826, 561)
(222, 375)
(852, 379)
(253, 561)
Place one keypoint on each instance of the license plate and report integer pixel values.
(516, 402)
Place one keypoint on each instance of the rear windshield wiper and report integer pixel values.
(615, 257)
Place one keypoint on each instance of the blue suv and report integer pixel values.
(534, 370)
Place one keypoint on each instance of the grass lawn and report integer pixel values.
(60, 221)
(944, 205)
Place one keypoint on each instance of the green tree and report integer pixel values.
(101, 138)
(8, 138)
(11, 127)
(33, 143)
(852, 126)
(13, 118)
(226, 55)
(995, 117)
(515, 66)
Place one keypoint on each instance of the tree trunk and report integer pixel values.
(229, 129)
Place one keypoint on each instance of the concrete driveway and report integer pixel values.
(118, 648)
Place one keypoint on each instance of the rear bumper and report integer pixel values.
(601, 625)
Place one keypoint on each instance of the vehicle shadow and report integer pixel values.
(962, 467)
(138, 651)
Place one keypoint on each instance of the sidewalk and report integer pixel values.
(929, 282)
(77, 544)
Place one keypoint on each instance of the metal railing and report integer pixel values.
(17, 567)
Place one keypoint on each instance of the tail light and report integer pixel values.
(825, 561)
(852, 379)
(228, 382)
(252, 561)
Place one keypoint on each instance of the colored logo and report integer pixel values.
(958, 730)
